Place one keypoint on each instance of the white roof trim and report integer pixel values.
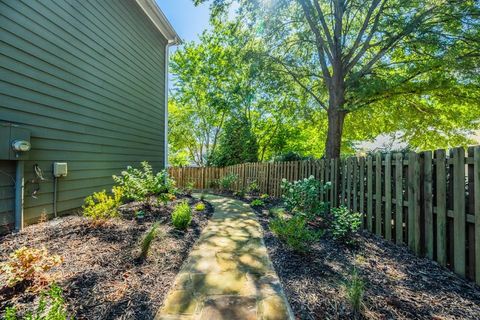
(155, 14)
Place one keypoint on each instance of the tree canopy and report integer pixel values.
(315, 76)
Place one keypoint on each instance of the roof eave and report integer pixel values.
(158, 18)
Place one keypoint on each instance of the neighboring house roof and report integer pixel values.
(153, 11)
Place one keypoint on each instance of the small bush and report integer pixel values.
(257, 203)
(355, 288)
(147, 240)
(51, 306)
(101, 206)
(241, 193)
(182, 216)
(189, 188)
(29, 264)
(302, 196)
(141, 183)
(344, 224)
(294, 232)
(253, 187)
(227, 181)
(200, 206)
(164, 198)
(213, 184)
(264, 196)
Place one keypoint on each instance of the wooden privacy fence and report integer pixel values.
(429, 201)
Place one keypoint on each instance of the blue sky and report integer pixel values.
(189, 21)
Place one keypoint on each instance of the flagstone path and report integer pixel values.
(228, 274)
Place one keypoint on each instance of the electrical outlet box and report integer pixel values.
(60, 169)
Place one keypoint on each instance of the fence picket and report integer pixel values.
(399, 198)
(388, 197)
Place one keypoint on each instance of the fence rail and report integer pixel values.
(429, 201)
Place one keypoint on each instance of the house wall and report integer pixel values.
(88, 79)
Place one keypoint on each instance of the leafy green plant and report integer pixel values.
(189, 187)
(182, 216)
(29, 265)
(294, 232)
(241, 193)
(51, 306)
(101, 206)
(141, 183)
(213, 184)
(302, 196)
(227, 181)
(355, 288)
(257, 203)
(200, 206)
(344, 224)
(147, 240)
(253, 187)
(264, 196)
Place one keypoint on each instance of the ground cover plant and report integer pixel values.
(120, 268)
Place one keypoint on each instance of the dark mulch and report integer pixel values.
(101, 276)
(398, 284)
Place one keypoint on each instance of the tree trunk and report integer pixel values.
(336, 118)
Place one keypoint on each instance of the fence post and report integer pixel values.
(441, 204)
(459, 210)
(413, 225)
(428, 203)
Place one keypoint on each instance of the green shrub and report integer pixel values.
(189, 187)
(302, 196)
(294, 232)
(227, 181)
(344, 224)
(264, 196)
(147, 240)
(51, 306)
(355, 288)
(200, 206)
(182, 216)
(101, 206)
(141, 183)
(240, 193)
(253, 187)
(257, 203)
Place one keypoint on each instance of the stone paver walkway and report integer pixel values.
(228, 274)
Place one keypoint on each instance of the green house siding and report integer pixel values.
(88, 79)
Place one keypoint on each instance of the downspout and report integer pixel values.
(19, 194)
(165, 149)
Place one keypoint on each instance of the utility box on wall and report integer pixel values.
(14, 142)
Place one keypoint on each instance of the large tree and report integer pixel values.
(417, 59)
(221, 78)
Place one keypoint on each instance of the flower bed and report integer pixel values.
(102, 276)
(330, 270)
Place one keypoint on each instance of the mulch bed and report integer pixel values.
(398, 284)
(101, 276)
